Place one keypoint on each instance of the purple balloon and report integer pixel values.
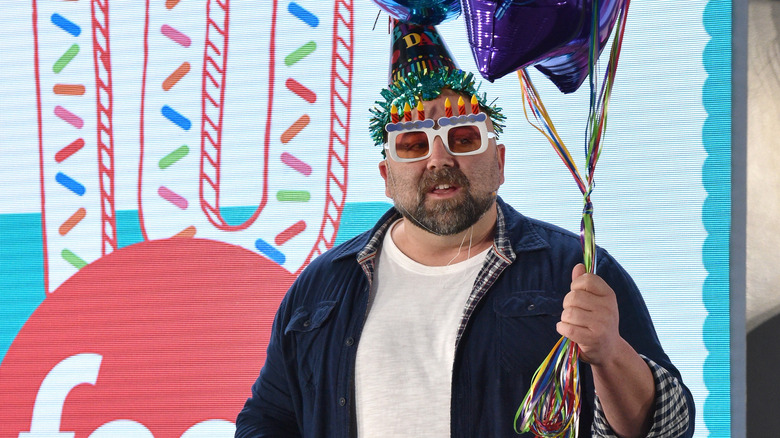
(553, 34)
(423, 12)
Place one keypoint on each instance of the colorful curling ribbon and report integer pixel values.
(551, 407)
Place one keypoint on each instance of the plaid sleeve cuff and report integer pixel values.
(670, 418)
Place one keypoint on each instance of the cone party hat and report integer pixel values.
(421, 66)
(417, 49)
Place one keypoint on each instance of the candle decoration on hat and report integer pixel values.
(474, 105)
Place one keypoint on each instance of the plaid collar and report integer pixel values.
(502, 244)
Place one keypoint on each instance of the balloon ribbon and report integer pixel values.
(551, 408)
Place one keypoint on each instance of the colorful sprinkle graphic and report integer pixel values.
(293, 196)
(65, 153)
(66, 25)
(176, 76)
(175, 35)
(174, 156)
(292, 231)
(270, 252)
(68, 117)
(172, 115)
(172, 197)
(188, 232)
(73, 259)
(65, 59)
(69, 90)
(300, 53)
(70, 184)
(290, 160)
(296, 127)
(299, 89)
(303, 14)
(72, 221)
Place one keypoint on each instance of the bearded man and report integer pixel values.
(432, 323)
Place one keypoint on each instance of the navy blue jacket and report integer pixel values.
(306, 387)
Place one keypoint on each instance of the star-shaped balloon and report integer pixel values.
(553, 35)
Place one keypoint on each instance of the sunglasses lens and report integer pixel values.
(410, 145)
(464, 139)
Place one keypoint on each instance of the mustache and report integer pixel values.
(446, 175)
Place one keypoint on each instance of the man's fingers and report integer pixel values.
(591, 283)
(585, 299)
(578, 334)
(578, 317)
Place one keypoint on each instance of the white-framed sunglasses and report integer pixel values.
(461, 135)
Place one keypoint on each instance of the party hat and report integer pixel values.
(421, 66)
(417, 49)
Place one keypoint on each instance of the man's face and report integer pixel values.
(445, 194)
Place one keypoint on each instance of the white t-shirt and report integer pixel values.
(403, 373)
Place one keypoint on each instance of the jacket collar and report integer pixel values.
(520, 230)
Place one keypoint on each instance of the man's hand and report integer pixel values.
(590, 317)
(623, 381)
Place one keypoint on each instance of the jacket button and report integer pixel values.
(307, 323)
(342, 401)
(531, 306)
(350, 341)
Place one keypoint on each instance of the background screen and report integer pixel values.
(170, 166)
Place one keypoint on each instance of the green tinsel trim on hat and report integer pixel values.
(428, 85)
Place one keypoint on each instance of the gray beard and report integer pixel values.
(451, 216)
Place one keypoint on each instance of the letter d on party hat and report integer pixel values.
(417, 49)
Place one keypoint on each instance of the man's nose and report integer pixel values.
(440, 156)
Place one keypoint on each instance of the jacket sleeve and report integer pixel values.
(670, 415)
(674, 411)
(270, 411)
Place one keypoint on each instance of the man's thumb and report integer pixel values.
(578, 270)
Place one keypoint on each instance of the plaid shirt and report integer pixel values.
(670, 417)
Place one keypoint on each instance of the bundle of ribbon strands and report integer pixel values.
(551, 408)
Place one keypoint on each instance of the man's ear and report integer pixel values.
(500, 156)
(383, 170)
